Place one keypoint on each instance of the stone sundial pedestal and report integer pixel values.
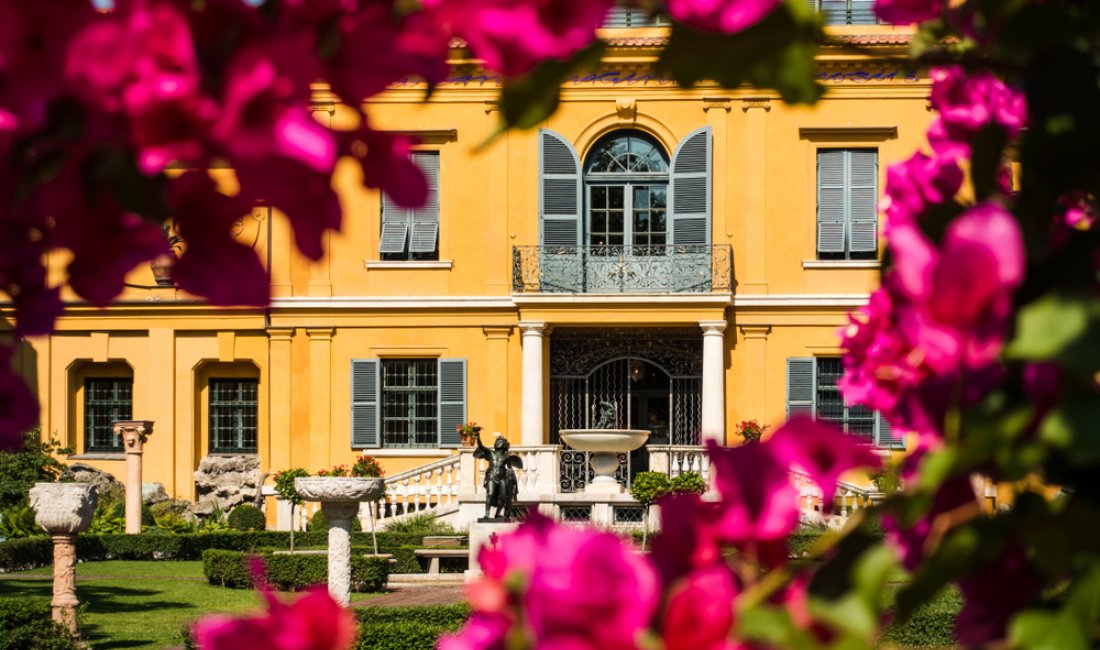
(63, 510)
(339, 497)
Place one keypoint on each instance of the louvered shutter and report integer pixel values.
(800, 386)
(832, 189)
(452, 400)
(365, 391)
(862, 200)
(690, 189)
(395, 226)
(559, 191)
(885, 436)
(425, 219)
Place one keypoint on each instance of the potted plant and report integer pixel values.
(751, 431)
(368, 467)
(470, 433)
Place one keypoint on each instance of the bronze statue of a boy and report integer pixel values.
(501, 487)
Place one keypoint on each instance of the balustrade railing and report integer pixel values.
(537, 476)
(424, 488)
(675, 268)
(675, 460)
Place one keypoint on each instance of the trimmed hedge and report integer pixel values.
(291, 572)
(931, 625)
(33, 552)
(407, 628)
(25, 624)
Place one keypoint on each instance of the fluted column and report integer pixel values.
(714, 386)
(531, 411)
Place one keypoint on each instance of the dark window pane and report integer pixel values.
(233, 415)
(106, 401)
(410, 409)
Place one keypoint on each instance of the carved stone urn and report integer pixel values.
(63, 510)
(340, 497)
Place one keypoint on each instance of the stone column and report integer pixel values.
(714, 389)
(531, 413)
(63, 510)
(134, 434)
(339, 515)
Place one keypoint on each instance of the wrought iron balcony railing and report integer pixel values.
(846, 12)
(622, 269)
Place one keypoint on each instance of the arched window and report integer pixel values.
(626, 194)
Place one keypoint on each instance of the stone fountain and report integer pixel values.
(340, 497)
(605, 445)
(63, 510)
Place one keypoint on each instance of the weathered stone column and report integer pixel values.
(531, 415)
(714, 386)
(339, 515)
(134, 434)
(340, 497)
(63, 510)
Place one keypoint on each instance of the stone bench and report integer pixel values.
(434, 555)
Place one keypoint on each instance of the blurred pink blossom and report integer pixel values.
(993, 595)
(911, 541)
(967, 103)
(759, 501)
(699, 611)
(722, 16)
(688, 540)
(18, 405)
(903, 12)
(823, 451)
(918, 183)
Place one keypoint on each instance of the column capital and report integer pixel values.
(280, 334)
(320, 333)
(756, 102)
(712, 327)
(722, 103)
(497, 332)
(755, 330)
(533, 327)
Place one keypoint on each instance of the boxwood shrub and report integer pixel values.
(33, 552)
(407, 628)
(290, 572)
(25, 623)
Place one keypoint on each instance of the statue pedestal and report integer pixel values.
(482, 532)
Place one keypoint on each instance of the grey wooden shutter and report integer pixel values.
(885, 436)
(366, 389)
(690, 189)
(559, 191)
(395, 226)
(425, 219)
(832, 190)
(800, 386)
(452, 400)
(863, 200)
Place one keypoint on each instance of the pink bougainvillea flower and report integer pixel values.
(688, 539)
(993, 596)
(576, 588)
(513, 36)
(722, 16)
(18, 405)
(917, 183)
(481, 632)
(823, 451)
(967, 103)
(205, 217)
(759, 501)
(941, 313)
(386, 165)
(904, 12)
(312, 622)
(699, 611)
(953, 502)
(1079, 212)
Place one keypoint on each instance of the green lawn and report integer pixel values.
(130, 604)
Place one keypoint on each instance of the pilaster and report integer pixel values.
(756, 110)
(320, 395)
(280, 398)
(754, 353)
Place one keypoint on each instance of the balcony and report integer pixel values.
(846, 12)
(685, 268)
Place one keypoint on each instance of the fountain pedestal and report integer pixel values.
(339, 497)
(605, 445)
(63, 510)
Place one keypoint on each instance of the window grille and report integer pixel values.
(628, 515)
(410, 403)
(576, 513)
(106, 401)
(233, 415)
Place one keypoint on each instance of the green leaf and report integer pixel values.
(1072, 426)
(1049, 326)
(1039, 630)
(776, 53)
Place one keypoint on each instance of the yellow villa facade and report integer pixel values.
(673, 259)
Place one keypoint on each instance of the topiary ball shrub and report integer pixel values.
(647, 487)
(318, 523)
(25, 623)
(247, 517)
(688, 483)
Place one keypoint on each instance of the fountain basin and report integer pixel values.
(339, 488)
(604, 445)
(605, 440)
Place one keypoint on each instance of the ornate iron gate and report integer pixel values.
(592, 366)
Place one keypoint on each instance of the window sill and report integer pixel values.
(406, 453)
(402, 265)
(841, 264)
(98, 455)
